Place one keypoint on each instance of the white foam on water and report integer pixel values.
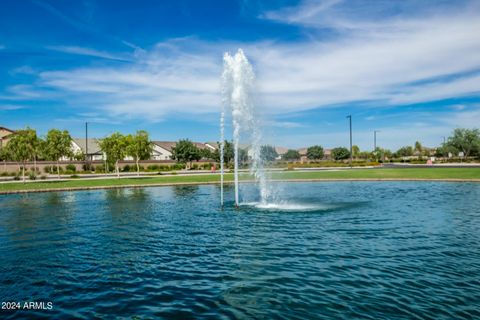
(289, 206)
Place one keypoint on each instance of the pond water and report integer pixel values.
(366, 250)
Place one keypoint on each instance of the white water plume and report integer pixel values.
(238, 81)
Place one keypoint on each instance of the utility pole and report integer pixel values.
(351, 155)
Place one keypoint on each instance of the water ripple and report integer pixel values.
(331, 250)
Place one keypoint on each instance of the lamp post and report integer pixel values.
(351, 155)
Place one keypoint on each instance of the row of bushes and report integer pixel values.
(330, 164)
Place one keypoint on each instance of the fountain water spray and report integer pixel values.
(237, 87)
(222, 149)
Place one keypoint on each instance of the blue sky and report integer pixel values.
(410, 69)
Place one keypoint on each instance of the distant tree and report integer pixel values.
(465, 140)
(381, 154)
(4, 154)
(185, 152)
(115, 149)
(340, 153)
(377, 153)
(242, 156)
(387, 153)
(139, 147)
(445, 149)
(268, 153)
(227, 152)
(291, 155)
(79, 156)
(315, 153)
(206, 153)
(355, 151)
(418, 147)
(406, 151)
(364, 155)
(58, 144)
(21, 147)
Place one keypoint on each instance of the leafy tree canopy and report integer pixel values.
(340, 153)
(291, 155)
(315, 152)
(268, 153)
(58, 144)
(465, 140)
(406, 151)
(185, 151)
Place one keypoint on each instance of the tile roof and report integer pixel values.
(168, 145)
(93, 146)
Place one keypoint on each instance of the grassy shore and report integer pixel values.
(446, 174)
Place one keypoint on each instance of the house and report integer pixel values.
(327, 154)
(5, 135)
(94, 152)
(162, 150)
(212, 146)
(280, 152)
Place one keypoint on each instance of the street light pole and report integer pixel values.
(351, 155)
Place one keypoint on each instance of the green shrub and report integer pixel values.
(43, 177)
(178, 166)
(207, 166)
(153, 167)
(71, 168)
(32, 176)
(16, 177)
(75, 176)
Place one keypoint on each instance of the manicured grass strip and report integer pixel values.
(395, 173)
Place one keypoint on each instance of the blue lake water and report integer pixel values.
(352, 250)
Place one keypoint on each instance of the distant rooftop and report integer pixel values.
(93, 146)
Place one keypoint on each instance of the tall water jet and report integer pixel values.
(237, 88)
(222, 149)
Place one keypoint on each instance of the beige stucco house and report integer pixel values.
(5, 135)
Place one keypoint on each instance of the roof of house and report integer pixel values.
(168, 145)
(8, 134)
(212, 144)
(93, 146)
(303, 151)
(281, 150)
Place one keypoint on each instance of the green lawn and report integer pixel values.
(403, 173)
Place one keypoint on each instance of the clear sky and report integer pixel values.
(409, 68)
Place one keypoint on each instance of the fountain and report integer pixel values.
(237, 88)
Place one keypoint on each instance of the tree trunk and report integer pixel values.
(23, 172)
(35, 165)
(138, 167)
(58, 169)
(116, 168)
